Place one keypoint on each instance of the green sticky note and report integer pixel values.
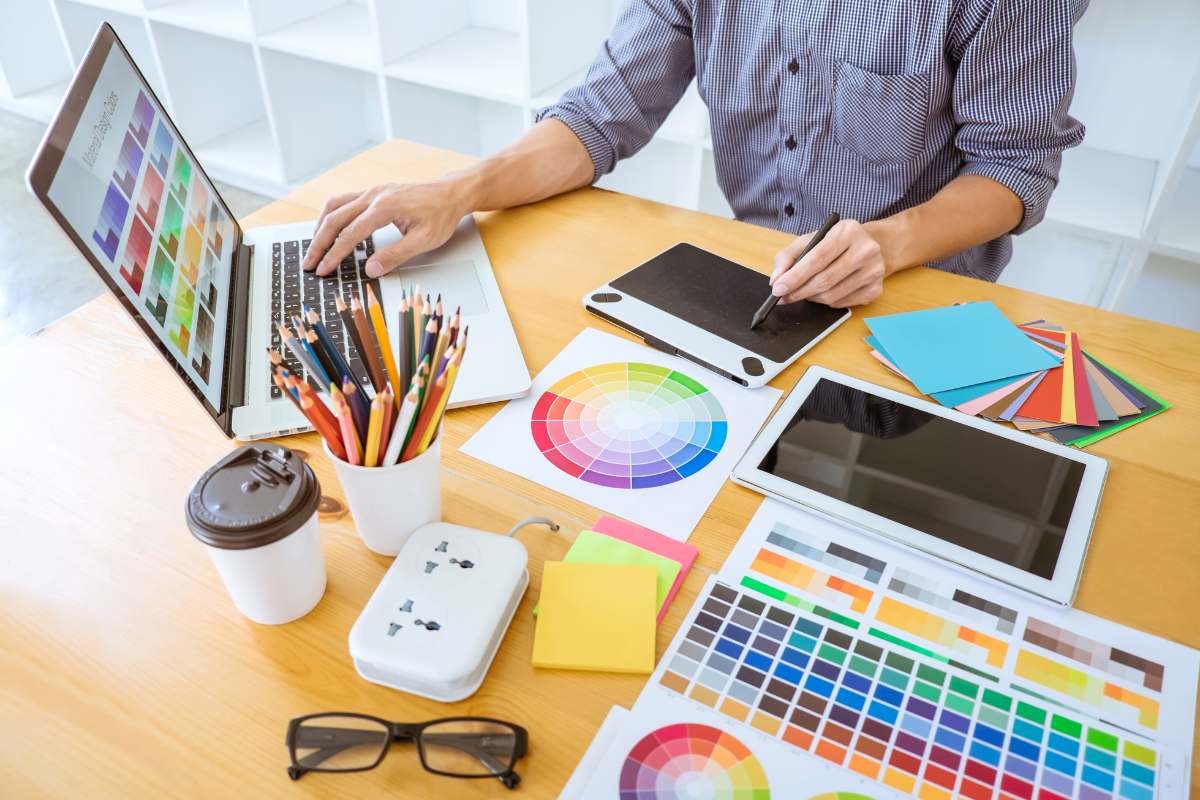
(596, 548)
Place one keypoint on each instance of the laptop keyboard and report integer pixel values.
(292, 287)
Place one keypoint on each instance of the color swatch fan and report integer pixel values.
(629, 425)
(692, 762)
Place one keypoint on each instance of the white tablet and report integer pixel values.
(697, 305)
(1012, 507)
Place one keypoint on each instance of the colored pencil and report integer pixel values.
(418, 329)
(408, 409)
(381, 335)
(423, 387)
(428, 343)
(340, 368)
(388, 412)
(403, 342)
(310, 366)
(314, 344)
(426, 315)
(439, 404)
(437, 313)
(327, 433)
(439, 347)
(279, 381)
(462, 345)
(360, 411)
(426, 418)
(302, 333)
(374, 429)
(355, 336)
(303, 390)
(349, 435)
(275, 357)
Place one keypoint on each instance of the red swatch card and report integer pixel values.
(1085, 409)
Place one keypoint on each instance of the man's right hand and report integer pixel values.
(426, 213)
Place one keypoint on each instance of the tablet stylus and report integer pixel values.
(762, 313)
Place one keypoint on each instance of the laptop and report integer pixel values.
(117, 177)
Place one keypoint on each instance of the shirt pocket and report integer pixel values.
(882, 118)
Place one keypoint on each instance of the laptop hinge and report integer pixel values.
(240, 325)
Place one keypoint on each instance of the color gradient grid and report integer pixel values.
(797, 541)
(150, 197)
(143, 118)
(163, 143)
(629, 426)
(137, 253)
(1095, 654)
(933, 628)
(976, 609)
(889, 717)
(1088, 688)
(687, 760)
(113, 212)
(129, 163)
(815, 582)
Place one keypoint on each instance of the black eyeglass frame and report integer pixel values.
(408, 732)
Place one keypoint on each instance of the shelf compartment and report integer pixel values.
(564, 38)
(32, 58)
(245, 157)
(1062, 263)
(663, 171)
(40, 105)
(323, 112)
(133, 7)
(80, 22)
(341, 35)
(1103, 191)
(480, 62)
(453, 121)
(1180, 233)
(1167, 291)
(229, 18)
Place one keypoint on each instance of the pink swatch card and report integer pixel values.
(646, 539)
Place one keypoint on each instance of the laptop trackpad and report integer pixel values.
(456, 281)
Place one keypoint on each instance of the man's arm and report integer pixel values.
(848, 267)
(548, 160)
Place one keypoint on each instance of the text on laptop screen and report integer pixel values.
(151, 219)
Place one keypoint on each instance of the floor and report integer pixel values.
(42, 275)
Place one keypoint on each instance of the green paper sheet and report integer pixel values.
(1103, 434)
(596, 548)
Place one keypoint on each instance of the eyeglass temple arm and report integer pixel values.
(468, 743)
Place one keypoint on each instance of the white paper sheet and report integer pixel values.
(596, 750)
(654, 423)
(808, 596)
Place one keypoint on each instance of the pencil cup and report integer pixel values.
(256, 512)
(389, 503)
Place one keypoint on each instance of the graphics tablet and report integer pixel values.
(696, 305)
(1012, 507)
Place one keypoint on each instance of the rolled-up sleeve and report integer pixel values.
(636, 79)
(1012, 92)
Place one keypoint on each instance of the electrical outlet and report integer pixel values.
(447, 559)
(412, 620)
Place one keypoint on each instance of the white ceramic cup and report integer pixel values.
(389, 503)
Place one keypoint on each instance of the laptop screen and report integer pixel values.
(151, 219)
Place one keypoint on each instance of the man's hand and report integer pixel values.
(845, 269)
(426, 213)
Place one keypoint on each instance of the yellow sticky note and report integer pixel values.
(596, 617)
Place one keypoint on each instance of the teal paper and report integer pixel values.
(955, 397)
(940, 349)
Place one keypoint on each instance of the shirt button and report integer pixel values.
(793, 66)
(789, 210)
(790, 143)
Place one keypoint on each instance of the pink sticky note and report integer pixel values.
(980, 403)
(646, 539)
(889, 364)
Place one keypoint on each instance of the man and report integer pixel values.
(935, 128)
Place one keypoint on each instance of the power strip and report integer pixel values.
(433, 625)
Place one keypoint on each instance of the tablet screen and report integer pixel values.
(721, 296)
(994, 496)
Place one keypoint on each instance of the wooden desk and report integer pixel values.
(125, 671)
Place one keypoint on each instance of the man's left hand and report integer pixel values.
(845, 269)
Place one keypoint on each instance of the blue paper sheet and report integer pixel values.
(959, 346)
(955, 397)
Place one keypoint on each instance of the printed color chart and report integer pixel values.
(853, 700)
(629, 426)
(685, 762)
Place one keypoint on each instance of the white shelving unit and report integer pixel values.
(271, 92)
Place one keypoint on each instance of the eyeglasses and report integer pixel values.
(458, 747)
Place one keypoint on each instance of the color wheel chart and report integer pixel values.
(629, 425)
(688, 762)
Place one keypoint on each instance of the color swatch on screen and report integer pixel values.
(137, 253)
(143, 118)
(181, 177)
(160, 156)
(189, 259)
(160, 287)
(629, 426)
(202, 353)
(206, 287)
(948, 634)
(833, 555)
(172, 227)
(1088, 688)
(181, 315)
(915, 726)
(977, 609)
(815, 582)
(687, 761)
(1101, 656)
(150, 197)
(129, 163)
(199, 205)
(113, 212)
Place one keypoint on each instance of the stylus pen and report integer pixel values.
(762, 313)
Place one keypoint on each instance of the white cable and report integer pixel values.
(532, 520)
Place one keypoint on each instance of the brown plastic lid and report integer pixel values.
(255, 496)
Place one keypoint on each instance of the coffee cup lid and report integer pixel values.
(256, 495)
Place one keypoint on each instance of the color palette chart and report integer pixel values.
(629, 425)
(892, 717)
(688, 761)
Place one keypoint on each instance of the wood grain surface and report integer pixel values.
(125, 670)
